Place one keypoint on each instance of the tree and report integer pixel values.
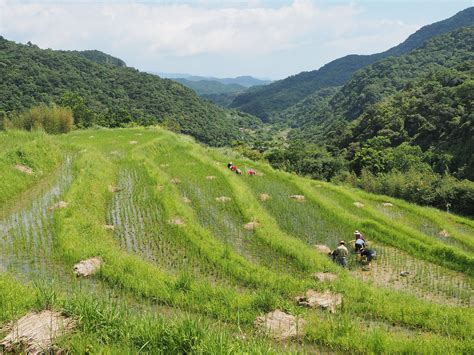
(83, 116)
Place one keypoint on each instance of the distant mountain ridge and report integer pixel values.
(243, 80)
(277, 96)
(210, 87)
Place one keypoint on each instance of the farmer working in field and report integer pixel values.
(359, 241)
(366, 255)
(358, 235)
(339, 255)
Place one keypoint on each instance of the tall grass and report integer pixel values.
(36, 151)
(52, 119)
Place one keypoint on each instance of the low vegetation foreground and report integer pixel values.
(141, 240)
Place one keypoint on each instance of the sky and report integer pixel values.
(263, 38)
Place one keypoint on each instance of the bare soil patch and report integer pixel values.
(358, 204)
(280, 325)
(175, 180)
(133, 142)
(210, 177)
(186, 199)
(35, 333)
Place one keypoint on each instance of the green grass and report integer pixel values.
(210, 278)
(34, 150)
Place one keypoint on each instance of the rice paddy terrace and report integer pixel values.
(192, 254)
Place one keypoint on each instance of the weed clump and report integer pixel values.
(53, 119)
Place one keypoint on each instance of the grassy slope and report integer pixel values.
(236, 280)
(34, 150)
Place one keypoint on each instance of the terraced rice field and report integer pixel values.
(193, 253)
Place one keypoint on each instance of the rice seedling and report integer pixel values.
(26, 235)
(200, 286)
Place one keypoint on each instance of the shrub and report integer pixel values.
(424, 188)
(53, 119)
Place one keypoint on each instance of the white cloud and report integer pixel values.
(173, 29)
(153, 31)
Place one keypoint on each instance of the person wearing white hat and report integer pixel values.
(359, 241)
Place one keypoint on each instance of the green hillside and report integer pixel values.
(113, 96)
(193, 253)
(401, 127)
(269, 100)
(103, 58)
(454, 50)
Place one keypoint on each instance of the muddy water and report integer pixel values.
(26, 233)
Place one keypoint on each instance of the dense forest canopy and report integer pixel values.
(109, 95)
(103, 58)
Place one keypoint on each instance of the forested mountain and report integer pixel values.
(109, 95)
(403, 126)
(386, 77)
(101, 57)
(423, 98)
(265, 101)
